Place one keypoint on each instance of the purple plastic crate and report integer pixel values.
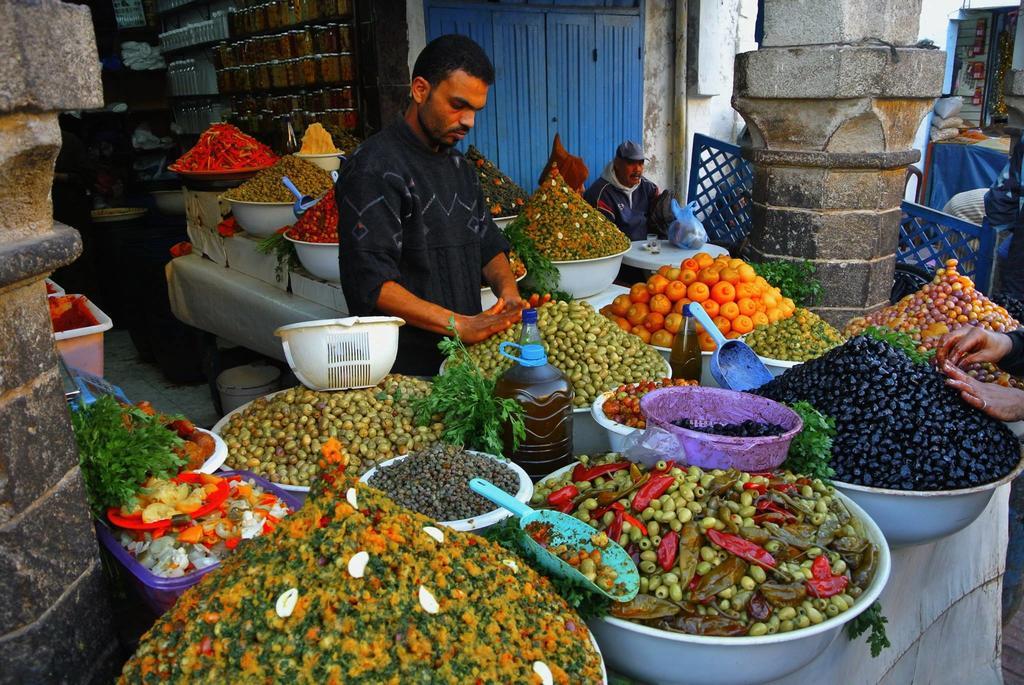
(161, 593)
(705, 406)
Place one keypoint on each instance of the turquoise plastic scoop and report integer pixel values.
(733, 364)
(571, 532)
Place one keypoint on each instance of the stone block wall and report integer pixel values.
(55, 622)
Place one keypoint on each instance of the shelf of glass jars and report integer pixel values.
(259, 17)
(302, 72)
(319, 39)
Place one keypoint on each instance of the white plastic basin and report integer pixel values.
(319, 259)
(477, 524)
(262, 219)
(909, 517)
(586, 277)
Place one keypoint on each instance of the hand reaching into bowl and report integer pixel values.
(999, 402)
(971, 344)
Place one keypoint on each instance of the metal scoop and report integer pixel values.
(573, 533)
(733, 364)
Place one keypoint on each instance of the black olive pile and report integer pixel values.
(747, 429)
(898, 425)
(435, 482)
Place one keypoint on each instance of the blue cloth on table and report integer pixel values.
(956, 168)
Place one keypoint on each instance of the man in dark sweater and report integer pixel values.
(622, 193)
(971, 344)
(416, 237)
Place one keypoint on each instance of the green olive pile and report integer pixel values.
(280, 437)
(564, 227)
(722, 553)
(593, 353)
(266, 186)
(799, 338)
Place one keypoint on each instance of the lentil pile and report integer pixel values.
(355, 589)
(898, 425)
(266, 186)
(947, 303)
(565, 228)
(724, 553)
(502, 195)
(803, 336)
(435, 482)
(594, 353)
(280, 437)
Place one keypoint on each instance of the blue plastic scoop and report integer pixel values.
(302, 202)
(573, 533)
(733, 364)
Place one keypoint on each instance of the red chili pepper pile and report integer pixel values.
(68, 312)
(319, 223)
(222, 147)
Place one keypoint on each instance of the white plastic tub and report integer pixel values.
(328, 161)
(262, 219)
(242, 384)
(341, 354)
(319, 259)
(82, 348)
(585, 277)
(480, 523)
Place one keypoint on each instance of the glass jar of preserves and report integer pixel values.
(309, 69)
(330, 68)
(278, 74)
(347, 67)
(346, 40)
(302, 42)
(260, 76)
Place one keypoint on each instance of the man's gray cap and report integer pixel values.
(630, 150)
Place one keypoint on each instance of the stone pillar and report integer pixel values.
(55, 623)
(833, 112)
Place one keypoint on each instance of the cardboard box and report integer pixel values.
(243, 257)
(309, 287)
(203, 211)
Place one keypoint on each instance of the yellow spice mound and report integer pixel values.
(317, 141)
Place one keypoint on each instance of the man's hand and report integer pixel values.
(999, 402)
(500, 317)
(971, 344)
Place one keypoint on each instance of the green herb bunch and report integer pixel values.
(277, 244)
(872, 619)
(586, 603)
(795, 279)
(811, 449)
(473, 416)
(119, 447)
(901, 341)
(542, 273)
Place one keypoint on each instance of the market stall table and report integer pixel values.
(944, 614)
(670, 254)
(234, 306)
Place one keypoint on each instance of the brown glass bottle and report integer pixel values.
(545, 395)
(685, 358)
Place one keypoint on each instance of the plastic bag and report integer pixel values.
(686, 232)
(650, 446)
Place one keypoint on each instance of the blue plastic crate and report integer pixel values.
(928, 238)
(721, 181)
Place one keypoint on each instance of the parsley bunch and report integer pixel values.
(119, 447)
(872, 619)
(542, 273)
(586, 603)
(811, 449)
(473, 416)
(901, 341)
(795, 279)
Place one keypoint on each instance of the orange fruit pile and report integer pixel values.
(729, 289)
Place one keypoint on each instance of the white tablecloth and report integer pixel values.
(670, 254)
(234, 306)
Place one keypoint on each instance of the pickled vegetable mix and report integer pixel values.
(724, 553)
(502, 195)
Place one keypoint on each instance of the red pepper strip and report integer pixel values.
(565, 507)
(788, 488)
(581, 474)
(821, 569)
(668, 550)
(635, 522)
(762, 474)
(766, 505)
(615, 529)
(598, 513)
(827, 587)
(231, 543)
(651, 490)
(772, 517)
(744, 549)
(761, 488)
(563, 495)
(267, 527)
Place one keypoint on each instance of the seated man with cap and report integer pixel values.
(622, 193)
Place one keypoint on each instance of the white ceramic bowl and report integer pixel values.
(658, 656)
(262, 219)
(169, 201)
(477, 524)
(319, 259)
(915, 517)
(220, 453)
(585, 277)
(777, 367)
(328, 161)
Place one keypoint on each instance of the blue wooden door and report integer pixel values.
(619, 94)
(572, 81)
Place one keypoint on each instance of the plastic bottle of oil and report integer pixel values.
(546, 397)
(685, 358)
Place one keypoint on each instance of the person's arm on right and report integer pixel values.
(395, 300)
(971, 344)
(1002, 201)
